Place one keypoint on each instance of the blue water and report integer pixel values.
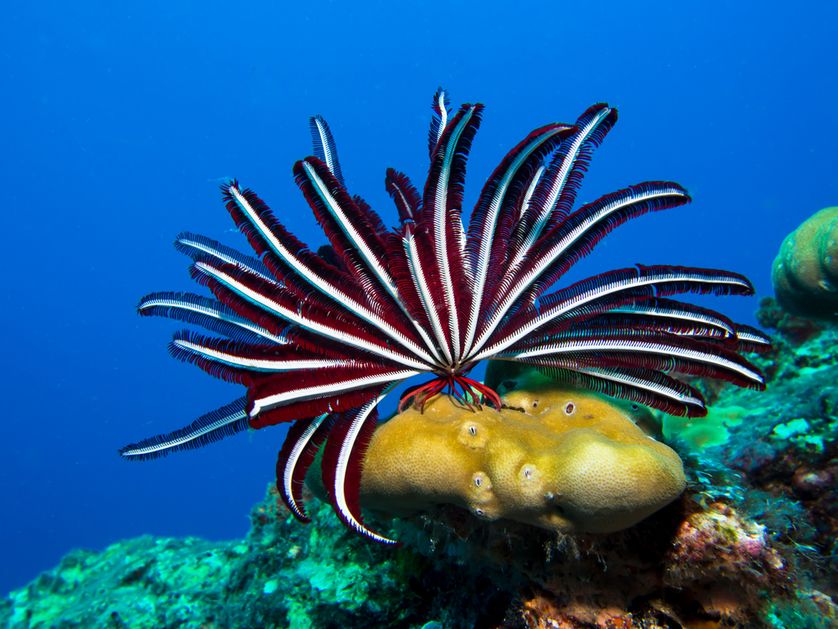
(119, 120)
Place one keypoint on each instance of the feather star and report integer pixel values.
(319, 338)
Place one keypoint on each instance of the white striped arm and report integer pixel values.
(331, 389)
(273, 307)
(196, 246)
(213, 426)
(440, 235)
(637, 382)
(357, 418)
(696, 317)
(558, 249)
(414, 264)
(557, 186)
(486, 234)
(265, 365)
(205, 309)
(525, 202)
(290, 465)
(321, 284)
(324, 145)
(604, 290)
(635, 346)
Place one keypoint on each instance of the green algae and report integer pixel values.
(799, 432)
(704, 432)
(791, 428)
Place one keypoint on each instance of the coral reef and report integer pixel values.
(689, 565)
(280, 575)
(564, 460)
(750, 543)
(805, 271)
(781, 455)
(792, 328)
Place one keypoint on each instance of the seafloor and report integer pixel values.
(751, 543)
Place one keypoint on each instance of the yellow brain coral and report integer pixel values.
(564, 460)
(805, 271)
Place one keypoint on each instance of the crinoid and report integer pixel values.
(320, 338)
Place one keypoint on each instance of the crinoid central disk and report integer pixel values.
(464, 390)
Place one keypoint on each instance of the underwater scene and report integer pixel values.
(482, 315)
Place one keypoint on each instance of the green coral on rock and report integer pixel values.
(805, 271)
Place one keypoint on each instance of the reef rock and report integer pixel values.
(562, 460)
(280, 575)
(805, 272)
